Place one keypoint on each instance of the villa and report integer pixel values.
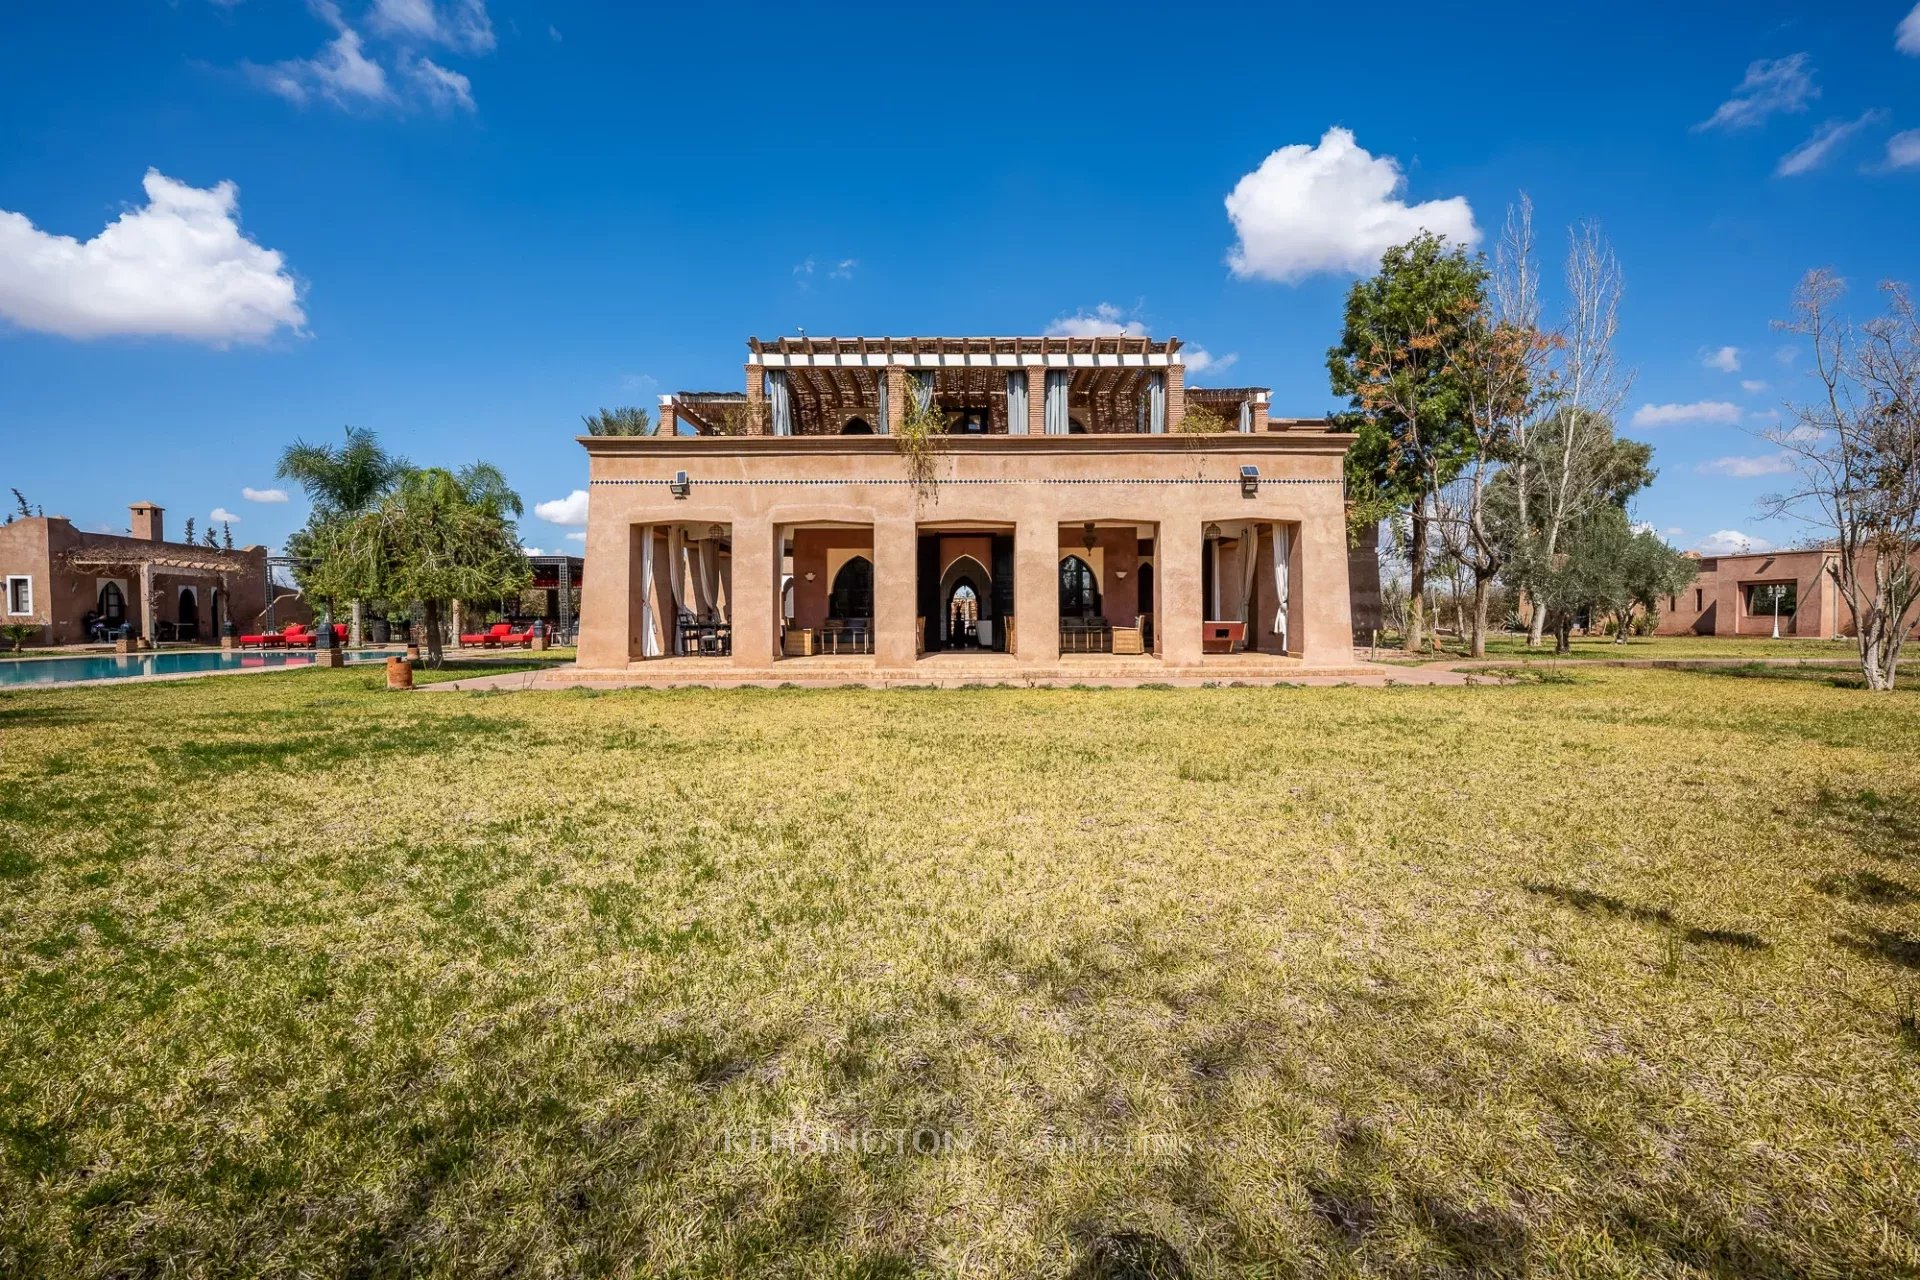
(1749, 593)
(55, 576)
(1065, 523)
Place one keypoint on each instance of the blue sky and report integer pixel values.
(492, 217)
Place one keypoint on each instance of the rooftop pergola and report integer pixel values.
(178, 559)
(1116, 350)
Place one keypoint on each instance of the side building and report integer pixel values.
(56, 576)
(1741, 595)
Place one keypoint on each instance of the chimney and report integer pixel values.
(147, 522)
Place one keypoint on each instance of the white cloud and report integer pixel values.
(1804, 434)
(1752, 386)
(526, 550)
(458, 24)
(1906, 37)
(1823, 142)
(1105, 320)
(843, 269)
(1786, 355)
(1771, 86)
(341, 73)
(577, 537)
(571, 509)
(263, 495)
(1731, 542)
(803, 269)
(223, 516)
(442, 89)
(1199, 360)
(1744, 468)
(1331, 207)
(1764, 417)
(176, 267)
(1725, 359)
(1666, 415)
(1903, 149)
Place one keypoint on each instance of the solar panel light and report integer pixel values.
(1249, 481)
(681, 485)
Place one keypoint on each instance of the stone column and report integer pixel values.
(1178, 608)
(756, 592)
(1322, 616)
(756, 401)
(1176, 396)
(1037, 409)
(610, 636)
(146, 605)
(896, 572)
(1036, 591)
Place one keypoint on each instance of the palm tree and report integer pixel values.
(627, 420)
(342, 481)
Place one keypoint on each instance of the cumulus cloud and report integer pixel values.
(577, 537)
(1903, 150)
(221, 515)
(1725, 359)
(176, 267)
(458, 24)
(526, 550)
(1731, 542)
(341, 73)
(1666, 415)
(263, 495)
(1745, 468)
(1752, 386)
(1906, 37)
(1823, 142)
(1331, 207)
(1199, 360)
(1772, 86)
(570, 510)
(1105, 320)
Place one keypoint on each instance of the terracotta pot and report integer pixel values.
(399, 673)
(413, 653)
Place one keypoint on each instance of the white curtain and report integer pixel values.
(1282, 553)
(883, 426)
(1017, 403)
(1054, 411)
(779, 403)
(676, 574)
(1246, 416)
(710, 578)
(649, 631)
(1249, 557)
(920, 382)
(1157, 404)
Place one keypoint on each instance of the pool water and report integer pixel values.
(15, 672)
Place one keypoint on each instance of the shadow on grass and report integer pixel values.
(1867, 888)
(424, 736)
(1592, 903)
(1129, 1255)
(1884, 826)
(1889, 945)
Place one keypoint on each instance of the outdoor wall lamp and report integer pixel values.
(715, 532)
(1087, 538)
(681, 486)
(1213, 531)
(1249, 481)
(809, 575)
(1120, 574)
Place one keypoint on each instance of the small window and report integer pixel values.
(1699, 599)
(1768, 598)
(19, 594)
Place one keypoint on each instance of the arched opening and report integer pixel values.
(852, 594)
(966, 603)
(113, 604)
(786, 600)
(857, 427)
(218, 620)
(187, 615)
(1146, 603)
(1079, 589)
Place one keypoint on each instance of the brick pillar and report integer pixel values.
(896, 571)
(756, 400)
(755, 592)
(1036, 591)
(610, 635)
(1176, 396)
(1260, 415)
(897, 394)
(1037, 405)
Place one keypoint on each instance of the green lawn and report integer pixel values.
(1611, 975)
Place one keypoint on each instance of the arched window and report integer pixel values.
(113, 605)
(1079, 590)
(857, 427)
(852, 595)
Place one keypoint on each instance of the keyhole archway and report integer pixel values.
(965, 602)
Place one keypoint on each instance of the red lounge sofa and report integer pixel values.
(297, 634)
(264, 640)
(500, 633)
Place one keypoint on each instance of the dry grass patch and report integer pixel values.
(1602, 977)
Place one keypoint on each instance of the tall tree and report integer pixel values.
(435, 537)
(1556, 486)
(187, 531)
(1407, 403)
(1855, 449)
(627, 420)
(342, 481)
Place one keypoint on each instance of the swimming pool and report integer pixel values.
(15, 672)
